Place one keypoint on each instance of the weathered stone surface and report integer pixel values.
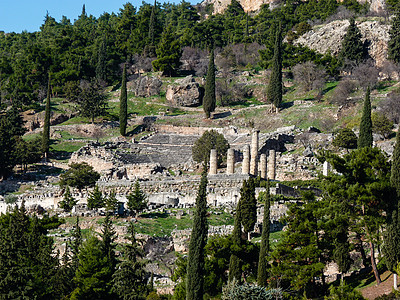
(145, 86)
(248, 5)
(328, 38)
(308, 152)
(33, 120)
(185, 92)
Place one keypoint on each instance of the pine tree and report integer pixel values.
(168, 53)
(123, 105)
(235, 269)
(111, 202)
(365, 138)
(68, 201)
(209, 100)
(137, 200)
(274, 91)
(262, 274)
(198, 240)
(394, 39)
(108, 237)
(27, 261)
(352, 46)
(93, 273)
(95, 199)
(129, 280)
(46, 126)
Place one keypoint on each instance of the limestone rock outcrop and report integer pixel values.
(328, 38)
(254, 5)
(248, 5)
(145, 86)
(185, 92)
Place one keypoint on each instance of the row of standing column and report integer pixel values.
(252, 164)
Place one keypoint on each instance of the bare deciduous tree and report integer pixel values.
(238, 55)
(366, 74)
(343, 91)
(194, 59)
(390, 107)
(309, 76)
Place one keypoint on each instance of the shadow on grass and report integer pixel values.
(365, 277)
(136, 130)
(155, 215)
(222, 115)
(286, 105)
(324, 91)
(60, 155)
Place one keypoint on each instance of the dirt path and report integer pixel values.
(385, 287)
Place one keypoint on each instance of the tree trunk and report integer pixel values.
(395, 281)
(373, 262)
(360, 248)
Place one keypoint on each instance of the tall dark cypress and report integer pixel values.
(152, 25)
(248, 205)
(101, 61)
(123, 105)
(262, 274)
(394, 39)
(365, 138)
(235, 268)
(198, 240)
(391, 247)
(275, 91)
(209, 100)
(46, 126)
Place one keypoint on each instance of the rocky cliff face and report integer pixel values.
(248, 5)
(328, 38)
(254, 5)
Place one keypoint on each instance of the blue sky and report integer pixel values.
(19, 15)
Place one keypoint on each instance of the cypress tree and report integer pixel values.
(395, 171)
(274, 91)
(46, 126)
(262, 274)
(365, 138)
(152, 24)
(123, 105)
(198, 240)
(391, 247)
(394, 39)
(248, 205)
(101, 61)
(209, 100)
(235, 271)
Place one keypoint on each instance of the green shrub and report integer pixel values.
(234, 291)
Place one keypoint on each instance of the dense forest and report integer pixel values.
(91, 48)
